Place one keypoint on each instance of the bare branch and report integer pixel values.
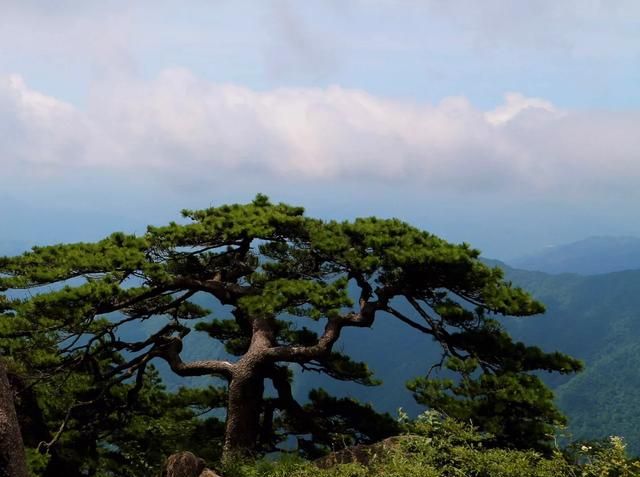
(409, 321)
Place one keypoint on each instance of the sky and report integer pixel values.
(510, 125)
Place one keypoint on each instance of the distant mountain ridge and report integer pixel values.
(593, 255)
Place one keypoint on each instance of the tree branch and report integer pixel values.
(227, 293)
(170, 349)
(362, 319)
(409, 321)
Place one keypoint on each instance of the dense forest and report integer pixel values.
(242, 335)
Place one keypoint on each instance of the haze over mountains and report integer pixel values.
(13, 247)
(586, 257)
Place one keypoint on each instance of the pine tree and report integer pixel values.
(284, 279)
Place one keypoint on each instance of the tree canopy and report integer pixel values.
(289, 285)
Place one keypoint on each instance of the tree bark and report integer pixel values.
(12, 456)
(243, 413)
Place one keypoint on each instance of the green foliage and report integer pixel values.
(298, 297)
(434, 446)
(285, 280)
(36, 462)
(594, 318)
(329, 423)
(113, 434)
(606, 459)
(515, 408)
(76, 422)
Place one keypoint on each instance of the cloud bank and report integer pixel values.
(180, 127)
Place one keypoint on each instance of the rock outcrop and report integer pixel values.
(362, 454)
(186, 464)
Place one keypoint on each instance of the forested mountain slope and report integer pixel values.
(597, 319)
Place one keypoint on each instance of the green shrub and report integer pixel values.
(434, 446)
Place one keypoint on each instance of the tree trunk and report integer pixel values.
(12, 456)
(243, 414)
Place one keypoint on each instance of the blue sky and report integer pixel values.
(511, 125)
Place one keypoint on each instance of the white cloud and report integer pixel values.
(38, 130)
(179, 126)
(515, 104)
